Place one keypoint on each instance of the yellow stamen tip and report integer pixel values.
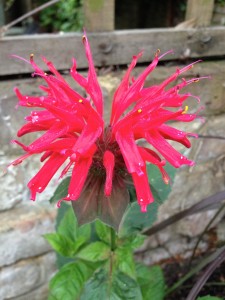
(157, 52)
(185, 110)
(196, 80)
(80, 101)
(139, 110)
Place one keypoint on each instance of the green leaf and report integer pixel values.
(69, 238)
(61, 212)
(61, 244)
(151, 281)
(103, 231)
(209, 298)
(134, 220)
(68, 282)
(117, 286)
(124, 261)
(159, 189)
(94, 252)
(134, 241)
(61, 190)
(68, 225)
(84, 231)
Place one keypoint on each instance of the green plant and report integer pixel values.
(63, 16)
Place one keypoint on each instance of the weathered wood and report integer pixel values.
(2, 15)
(110, 48)
(99, 15)
(201, 11)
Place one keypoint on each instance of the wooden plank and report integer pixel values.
(201, 11)
(110, 48)
(99, 15)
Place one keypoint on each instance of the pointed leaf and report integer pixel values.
(60, 244)
(94, 252)
(124, 261)
(69, 238)
(160, 190)
(68, 225)
(61, 212)
(116, 287)
(134, 241)
(103, 231)
(61, 191)
(134, 220)
(68, 282)
(151, 281)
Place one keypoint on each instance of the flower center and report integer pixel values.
(107, 143)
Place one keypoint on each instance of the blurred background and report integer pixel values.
(68, 15)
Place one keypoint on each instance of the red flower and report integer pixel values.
(76, 137)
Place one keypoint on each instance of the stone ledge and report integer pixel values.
(21, 231)
(26, 276)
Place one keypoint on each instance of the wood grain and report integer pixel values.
(110, 48)
(99, 15)
(201, 11)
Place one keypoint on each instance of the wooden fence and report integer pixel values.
(117, 47)
(112, 48)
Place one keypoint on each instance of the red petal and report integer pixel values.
(174, 135)
(109, 163)
(52, 134)
(88, 137)
(39, 182)
(170, 154)
(133, 93)
(79, 175)
(129, 150)
(123, 87)
(53, 69)
(144, 195)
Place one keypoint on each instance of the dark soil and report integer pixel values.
(215, 285)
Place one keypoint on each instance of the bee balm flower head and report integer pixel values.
(102, 157)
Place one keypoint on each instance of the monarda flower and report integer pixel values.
(101, 158)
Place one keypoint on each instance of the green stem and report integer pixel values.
(113, 239)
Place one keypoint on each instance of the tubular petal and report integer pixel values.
(92, 86)
(174, 134)
(144, 194)
(123, 87)
(39, 182)
(130, 152)
(170, 154)
(79, 175)
(133, 93)
(49, 136)
(109, 163)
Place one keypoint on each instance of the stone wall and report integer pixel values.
(26, 260)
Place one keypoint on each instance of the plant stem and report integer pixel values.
(113, 239)
(3, 29)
